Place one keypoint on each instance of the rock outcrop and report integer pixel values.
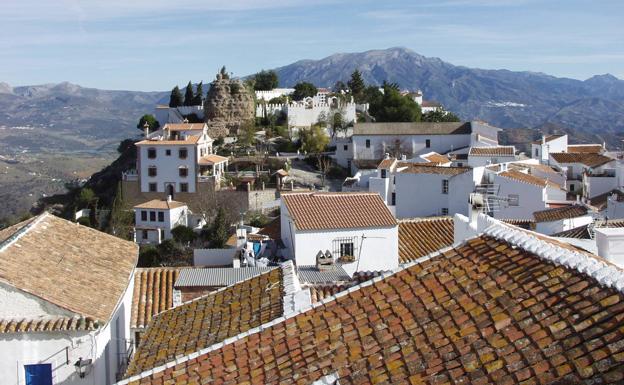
(228, 106)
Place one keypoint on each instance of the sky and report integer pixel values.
(155, 44)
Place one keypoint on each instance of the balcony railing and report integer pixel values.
(130, 175)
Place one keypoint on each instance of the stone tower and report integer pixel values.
(228, 106)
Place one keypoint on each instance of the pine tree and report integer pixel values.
(356, 85)
(189, 97)
(219, 230)
(176, 97)
(197, 101)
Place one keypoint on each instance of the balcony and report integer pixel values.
(130, 175)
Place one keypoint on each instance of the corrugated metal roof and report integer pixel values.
(218, 276)
(311, 274)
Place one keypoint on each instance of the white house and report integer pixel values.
(65, 301)
(615, 205)
(357, 230)
(274, 93)
(373, 140)
(177, 158)
(483, 156)
(165, 114)
(542, 148)
(558, 219)
(576, 164)
(524, 193)
(425, 190)
(155, 219)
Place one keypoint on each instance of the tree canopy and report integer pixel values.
(175, 100)
(199, 94)
(149, 119)
(440, 115)
(356, 85)
(313, 139)
(394, 107)
(304, 90)
(219, 230)
(189, 96)
(265, 80)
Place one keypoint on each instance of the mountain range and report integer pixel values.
(589, 110)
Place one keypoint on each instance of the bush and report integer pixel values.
(148, 256)
(337, 172)
(183, 234)
(257, 219)
(85, 221)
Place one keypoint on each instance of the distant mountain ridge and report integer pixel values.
(590, 110)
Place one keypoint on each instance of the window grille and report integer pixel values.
(345, 249)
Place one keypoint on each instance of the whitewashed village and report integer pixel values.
(264, 235)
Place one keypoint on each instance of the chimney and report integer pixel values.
(610, 244)
(185, 120)
(146, 129)
(543, 140)
(387, 155)
(324, 261)
(403, 157)
(169, 199)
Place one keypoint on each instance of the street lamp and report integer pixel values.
(82, 367)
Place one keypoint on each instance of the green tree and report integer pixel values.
(394, 107)
(120, 223)
(372, 94)
(149, 119)
(175, 100)
(313, 139)
(247, 135)
(265, 80)
(199, 94)
(183, 234)
(278, 100)
(148, 256)
(304, 90)
(440, 115)
(189, 96)
(219, 230)
(356, 85)
(86, 198)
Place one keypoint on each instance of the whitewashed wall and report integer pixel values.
(172, 217)
(615, 209)
(598, 185)
(167, 167)
(554, 227)
(480, 161)
(15, 303)
(413, 144)
(531, 198)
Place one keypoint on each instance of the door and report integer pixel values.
(170, 190)
(39, 374)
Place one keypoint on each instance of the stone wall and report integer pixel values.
(228, 106)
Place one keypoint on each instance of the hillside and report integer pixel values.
(594, 108)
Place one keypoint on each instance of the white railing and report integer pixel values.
(130, 175)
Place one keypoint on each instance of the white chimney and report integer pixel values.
(169, 198)
(146, 129)
(610, 244)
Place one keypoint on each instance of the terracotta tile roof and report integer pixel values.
(484, 312)
(211, 319)
(532, 166)
(430, 103)
(548, 138)
(191, 139)
(386, 163)
(48, 324)
(559, 213)
(153, 293)
(413, 128)
(160, 204)
(423, 236)
(600, 201)
(320, 292)
(527, 178)
(72, 266)
(184, 126)
(434, 157)
(585, 148)
(588, 159)
(211, 159)
(492, 151)
(424, 168)
(325, 211)
(522, 223)
(366, 164)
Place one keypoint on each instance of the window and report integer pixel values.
(344, 248)
(345, 147)
(444, 210)
(445, 186)
(183, 187)
(144, 235)
(151, 171)
(168, 152)
(161, 216)
(393, 203)
(367, 143)
(428, 143)
(39, 374)
(571, 187)
(153, 216)
(151, 153)
(513, 199)
(384, 173)
(143, 215)
(152, 187)
(183, 172)
(536, 152)
(460, 164)
(183, 153)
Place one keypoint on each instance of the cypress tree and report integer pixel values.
(197, 101)
(176, 97)
(189, 97)
(356, 84)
